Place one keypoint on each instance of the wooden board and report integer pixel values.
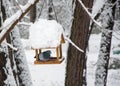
(51, 61)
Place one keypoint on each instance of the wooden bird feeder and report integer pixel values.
(53, 60)
(58, 49)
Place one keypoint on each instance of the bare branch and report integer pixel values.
(14, 48)
(18, 5)
(24, 23)
(70, 41)
(89, 13)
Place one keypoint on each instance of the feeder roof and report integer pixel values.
(45, 33)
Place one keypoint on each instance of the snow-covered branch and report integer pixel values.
(115, 3)
(89, 14)
(24, 23)
(12, 47)
(70, 41)
(18, 5)
(13, 20)
(27, 17)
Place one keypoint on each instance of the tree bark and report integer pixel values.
(3, 61)
(23, 73)
(76, 61)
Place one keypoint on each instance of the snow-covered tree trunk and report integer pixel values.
(20, 65)
(7, 13)
(5, 67)
(117, 12)
(6, 74)
(76, 61)
(107, 20)
(18, 58)
(3, 76)
(5, 62)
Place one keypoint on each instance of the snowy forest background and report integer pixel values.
(90, 25)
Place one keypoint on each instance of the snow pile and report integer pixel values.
(45, 33)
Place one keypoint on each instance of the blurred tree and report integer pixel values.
(107, 21)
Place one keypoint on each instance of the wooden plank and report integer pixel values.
(60, 48)
(57, 53)
(62, 39)
(49, 48)
(44, 48)
(36, 51)
(51, 61)
(39, 50)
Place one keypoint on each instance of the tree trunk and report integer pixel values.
(8, 40)
(5, 67)
(12, 60)
(33, 14)
(76, 61)
(117, 10)
(3, 75)
(104, 53)
(17, 59)
(51, 13)
(20, 60)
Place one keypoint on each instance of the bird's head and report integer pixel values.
(48, 51)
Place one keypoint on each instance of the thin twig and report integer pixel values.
(18, 5)
(89, 13)
(70, 41)
(14, 48)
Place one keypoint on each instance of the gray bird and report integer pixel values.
(45, 56)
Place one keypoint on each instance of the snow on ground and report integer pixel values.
(45, 75)
(54, 75)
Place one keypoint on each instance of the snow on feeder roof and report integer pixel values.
(45, 33)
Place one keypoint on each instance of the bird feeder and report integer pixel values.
(47, 34)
